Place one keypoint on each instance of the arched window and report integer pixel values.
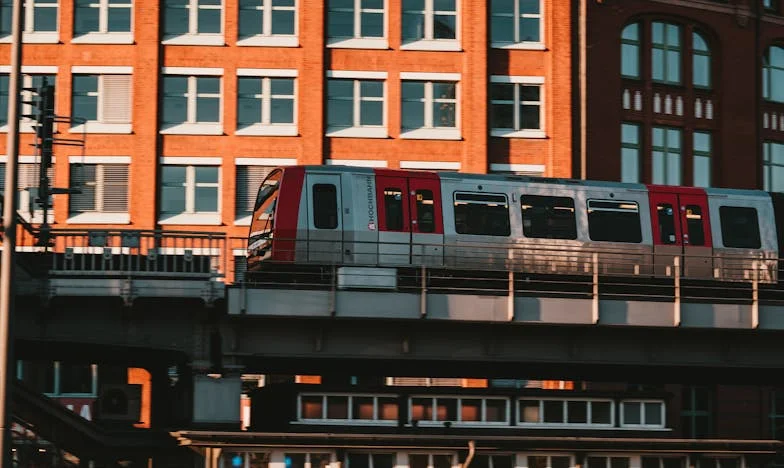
(773, 74)
(701, 61)
(630, 51)
(666, 52)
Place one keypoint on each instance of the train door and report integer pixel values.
(394, 231)
(681, 228)
(325, 226)
(427, 224)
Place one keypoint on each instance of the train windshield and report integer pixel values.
(264, 209)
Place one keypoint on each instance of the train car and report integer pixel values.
(382, 218)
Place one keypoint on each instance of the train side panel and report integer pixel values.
(360, 219)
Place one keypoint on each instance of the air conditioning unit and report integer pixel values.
(119, 402)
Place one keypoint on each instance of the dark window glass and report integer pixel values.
(393, 205)
(553, 411)
(559, 462)
(577, 412)
(383, 460)
(446, 409)
(325, 206)
(38, 375)
(600, 412)
(495, 411)
(619, 462)
(470, 410)
(694, 225)
(358, 460)
(548, 217)
(337, 407)
(503, 461)
(387, 409)
(614, 221)
(362, 408)
(417, 461)
(597, 462)
(650, 462)
(425, 211)
(740, 227)
(312, 406)
(529, 411)
(76, 378)
(481, 214)
(652, 413)
(295, 460)
(666, 217)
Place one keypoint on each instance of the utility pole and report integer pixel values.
(9, 234)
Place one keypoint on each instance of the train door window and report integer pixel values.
(666, 217)
(425, 211)
(481, 214)
(614, 221)
(393, 205)
(325, 206)
(694, 225)
(740, 227)
(548, 217)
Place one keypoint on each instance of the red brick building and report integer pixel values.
(189, 102)
(687, 93)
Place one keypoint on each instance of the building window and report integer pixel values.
(701, 61)
(773, 166)
(565, 412)
(103, 188)
(370, 460)
(266, 104)
(429, 20)
(773, 74)
(608, 462)
(642, 413)
(515, 22)
(28, 181)
(189, 190)
(102, 16)
(666, 53)
(192, 17)
(355, 104)
(191, 100)
(267, 18)
(429, 105)
(696, 410)
(249, 179)
(28, 81)
(630, 51)
(666, 157)
(702, 159)
(630, 152)
(40, 16)
(516, 109)
(102, 99)
(355, 19)
(777, 413)
(431, 460)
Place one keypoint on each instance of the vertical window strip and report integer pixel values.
(773, 74)
(666, 157)
(702, 149)
(630, 152)
(773, 167)
(630, 51)
(666, 52)
(701, 61)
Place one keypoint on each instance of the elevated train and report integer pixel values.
(383, 218)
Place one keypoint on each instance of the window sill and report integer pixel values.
(104, 38)
(36, 38)
(244, 221)
(98, 127)
(210, 219)
(99, 218)
(519, 45)
(24, 127)
(509, 133)
(357, 132)
(37, 217)
(359, 43)
(441, 45)
(269, 41)
(193, 129)
(431, 134)
(195, 39)
(268, 130)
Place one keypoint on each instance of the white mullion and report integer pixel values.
(94, 378)
(356, 100)
(190, 189)
(429, 19)
(429, 104)
(518, 104)
(99, 187)
(375, 408)
(516, 15)
(542, 109)
(357, 18)
(193, 16)
(98, 101)
(191, 97)
(266, 29)
(266, 101)
(103, 16)
(29, 26)
(323, 407)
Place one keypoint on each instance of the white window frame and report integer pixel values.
(429, 132)
(643, 424)
(426, 165)
(268, 162)
(98, 217)
(191, 217)
(357, 130)
(265, 128)
(193, 37)
(429, 43)
(35, 216)
(359, 41)
(266, 38)
(97, 126)
(28, 71)
(429, 454)
(190, 126)
(350, 420)
(528, 81)
(37, 37)
(537, 170)
(565, 414)
(103, 35)
(57, 383)
(459, 402)
(522, 458)
(518, 44)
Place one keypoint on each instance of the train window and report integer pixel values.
(548, 217)
(481, 214)
(694, 225)
(666, 217)
(614, 221)
(740, 227)
(325, 206)
(425, 211)
(393, 205)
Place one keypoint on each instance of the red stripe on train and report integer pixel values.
(287, 214)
